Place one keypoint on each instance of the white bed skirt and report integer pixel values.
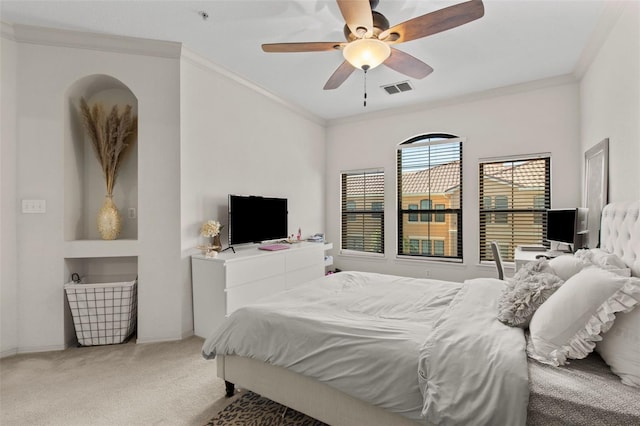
(304, 394)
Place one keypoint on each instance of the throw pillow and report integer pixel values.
(569, 323)
(620, 347)
(567, 265)
(521, 298)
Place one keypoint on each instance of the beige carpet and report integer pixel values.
(151, 384)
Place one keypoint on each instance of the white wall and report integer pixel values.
(8, 206)
(610, 103)
(514, 121)
(238, 140)
(44, 74)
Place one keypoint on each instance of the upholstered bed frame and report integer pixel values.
(620, 234)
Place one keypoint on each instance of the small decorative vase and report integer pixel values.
(109, 221)
(217, 244)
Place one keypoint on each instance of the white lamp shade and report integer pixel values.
(366, 51)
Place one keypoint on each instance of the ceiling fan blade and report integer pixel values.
(407, 64)
(357, 14)
(435, 22)
(339, 76)
(319, 46)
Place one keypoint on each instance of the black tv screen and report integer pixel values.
(561, 225)
(253, 219)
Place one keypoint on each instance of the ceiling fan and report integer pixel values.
(370, 39)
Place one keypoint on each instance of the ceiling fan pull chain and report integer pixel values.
(365, 68)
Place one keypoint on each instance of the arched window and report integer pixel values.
(429, 176)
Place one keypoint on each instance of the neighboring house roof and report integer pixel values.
(526, 175)
(446, 177)
(438, 179)
(373, 183)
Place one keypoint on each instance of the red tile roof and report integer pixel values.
(436, 180)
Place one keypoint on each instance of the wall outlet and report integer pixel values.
(427, 273)
(34, 206)
(131, 213)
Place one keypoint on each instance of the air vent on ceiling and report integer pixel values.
(403, 86)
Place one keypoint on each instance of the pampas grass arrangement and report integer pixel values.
(112, 137)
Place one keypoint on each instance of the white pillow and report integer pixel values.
(566, 266)
(620, 347)
(570, 321)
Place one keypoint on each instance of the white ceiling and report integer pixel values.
(516, 41)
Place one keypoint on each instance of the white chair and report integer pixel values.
(495, 249)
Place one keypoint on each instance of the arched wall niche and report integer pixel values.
(85, 188)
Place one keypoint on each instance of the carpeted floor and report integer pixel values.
(151, 384)
(251, 409)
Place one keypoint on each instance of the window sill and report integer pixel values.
(362, 255)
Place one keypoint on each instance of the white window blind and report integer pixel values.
(362, 207)
(513, 199)
(429, 176)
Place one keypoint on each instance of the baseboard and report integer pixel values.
(8, 352)
(32, 349)
(144, 342)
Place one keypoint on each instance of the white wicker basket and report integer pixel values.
(104, 313)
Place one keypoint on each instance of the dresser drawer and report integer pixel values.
(240, 296)
(304, 257)
(301, 276)
(257, 268)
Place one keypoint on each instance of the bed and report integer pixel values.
(434, 352)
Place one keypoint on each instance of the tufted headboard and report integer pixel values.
(620, 232)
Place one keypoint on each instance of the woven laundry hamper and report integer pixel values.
(103, 313)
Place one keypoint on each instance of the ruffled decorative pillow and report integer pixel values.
(525, 292)
(569, 323)
(620, 347)
(604, 260)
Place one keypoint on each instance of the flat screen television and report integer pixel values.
(567, 226)
(253, 219)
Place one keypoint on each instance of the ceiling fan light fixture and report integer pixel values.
(369, 52)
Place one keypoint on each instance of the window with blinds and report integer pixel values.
(514, 197)
(362, 209)
(429, 177)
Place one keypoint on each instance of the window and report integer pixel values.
(502, 205)
(413, 217)
(414, 246)
(521, 192)
(429, 174)
(425, 205)
(426, 247)
(439, 216)
(438, 248)
(362, 209)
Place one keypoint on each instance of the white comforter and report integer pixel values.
(372, 336)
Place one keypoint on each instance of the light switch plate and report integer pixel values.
(34, 206)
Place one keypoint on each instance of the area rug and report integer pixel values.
(252, 409)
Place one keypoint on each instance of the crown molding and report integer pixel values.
(94, 41)
(610, 15)
(528, 86)
(207, 65)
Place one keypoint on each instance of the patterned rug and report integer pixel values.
(253, 410)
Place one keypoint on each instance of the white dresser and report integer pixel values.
(231, 280)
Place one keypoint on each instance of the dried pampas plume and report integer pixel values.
(112, 137)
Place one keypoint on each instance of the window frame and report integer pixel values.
(426, 140)
(490, 214)
(373, 209)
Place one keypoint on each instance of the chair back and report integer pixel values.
(495, 249)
